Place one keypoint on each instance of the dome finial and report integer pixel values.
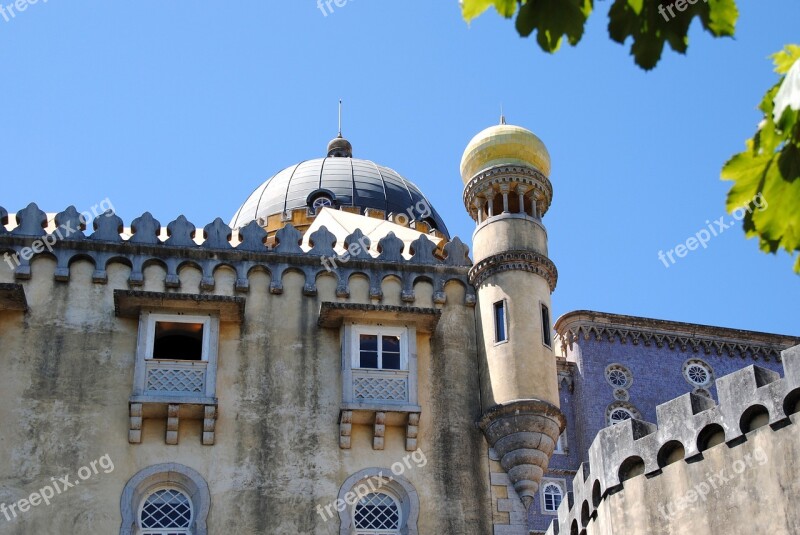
(502, 115)
(339, 147)
(340, 117)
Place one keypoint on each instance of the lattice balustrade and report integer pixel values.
(176, 378)
(376, 386)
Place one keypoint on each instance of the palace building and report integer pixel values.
(332, 361)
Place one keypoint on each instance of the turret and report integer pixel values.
(507, 191)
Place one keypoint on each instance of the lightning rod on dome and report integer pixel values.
(340, 117)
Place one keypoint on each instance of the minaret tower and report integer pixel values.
(505, 170)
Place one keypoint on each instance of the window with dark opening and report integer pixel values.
(178, 341)
(500, 322)
(546, 335)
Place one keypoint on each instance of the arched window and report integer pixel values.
(379, 502)
(552, 494)
(619, 411)
(619, 415)
(377, 513)
(166, 512)
(165, 499)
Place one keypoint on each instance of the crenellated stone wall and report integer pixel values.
(709, 468)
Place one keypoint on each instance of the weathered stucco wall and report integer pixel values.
(67, 376)
(751, 488)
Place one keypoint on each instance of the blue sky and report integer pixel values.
(177, 110)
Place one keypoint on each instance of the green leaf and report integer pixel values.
(786, 58)
(552, 20)
(472, 8)
(770, 170)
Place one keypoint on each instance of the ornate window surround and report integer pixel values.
(612, 368)
(169, 475)
(374, 478)
(702, 364)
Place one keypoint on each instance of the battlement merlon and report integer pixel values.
(107, 244)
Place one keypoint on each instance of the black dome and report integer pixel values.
(345, 182)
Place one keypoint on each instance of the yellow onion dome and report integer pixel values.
(504, 144)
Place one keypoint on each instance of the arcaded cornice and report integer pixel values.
(603, 326)
(529, 261)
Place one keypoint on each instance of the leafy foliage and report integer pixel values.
(770, 167)
(650, 23)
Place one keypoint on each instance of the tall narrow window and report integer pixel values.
(500, 334)
(546, 335)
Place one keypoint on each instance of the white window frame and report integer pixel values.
(351, 361)
(379, 330)
(561, 444)
(561, 485)
(152, 319)
(504, 302)
(144, 356)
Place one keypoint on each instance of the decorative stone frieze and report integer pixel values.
(687, 337)
(529, 261)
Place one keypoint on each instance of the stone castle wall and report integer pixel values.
(68, 365)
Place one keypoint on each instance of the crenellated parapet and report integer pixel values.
(217, 245)
(686, 427)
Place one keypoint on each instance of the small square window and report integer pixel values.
(500, 322)
(380, 352)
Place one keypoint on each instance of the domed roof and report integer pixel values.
(504, 144)
(338, 181)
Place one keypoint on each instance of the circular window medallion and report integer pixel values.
(697, 373)
(321, 202)
(620, 394)
(619, 376)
